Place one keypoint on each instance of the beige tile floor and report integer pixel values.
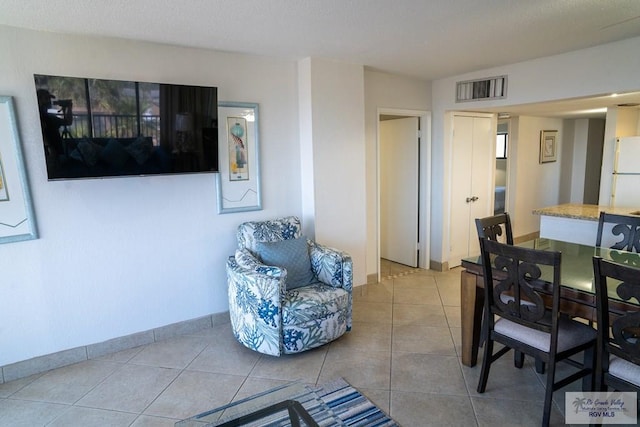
(403, 353)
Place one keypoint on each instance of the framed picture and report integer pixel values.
(16, 212)
(548, 146)
(238, 182)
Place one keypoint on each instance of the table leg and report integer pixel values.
(471, 305)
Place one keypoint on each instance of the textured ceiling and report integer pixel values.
(417, 38)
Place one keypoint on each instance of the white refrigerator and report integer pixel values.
(626, 173)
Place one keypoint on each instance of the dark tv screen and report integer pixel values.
(93, 128)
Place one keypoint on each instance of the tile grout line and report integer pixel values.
(393, 300)
(182, 370)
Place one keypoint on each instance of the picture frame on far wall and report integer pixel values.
(17, 221)
(548, 146)
(238, 182)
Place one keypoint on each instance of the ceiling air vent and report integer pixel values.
(476, 90)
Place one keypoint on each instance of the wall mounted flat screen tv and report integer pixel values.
(93, 128)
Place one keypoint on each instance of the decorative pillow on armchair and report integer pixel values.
(291, 254)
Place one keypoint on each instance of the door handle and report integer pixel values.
(472, 199)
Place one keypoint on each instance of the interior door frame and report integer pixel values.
(424, 182)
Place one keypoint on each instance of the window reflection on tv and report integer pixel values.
(93, 128)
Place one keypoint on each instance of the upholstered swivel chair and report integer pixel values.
(515, 316)
(287, 294)
(618, 364)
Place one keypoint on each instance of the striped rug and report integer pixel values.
(350, 406)
(346, 407)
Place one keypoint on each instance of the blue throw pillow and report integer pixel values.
(291, 254)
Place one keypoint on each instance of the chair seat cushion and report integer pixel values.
(314, 302)
(625, 370)
(313, 316)
(570, 334)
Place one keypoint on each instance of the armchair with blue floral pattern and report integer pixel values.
(269, 318)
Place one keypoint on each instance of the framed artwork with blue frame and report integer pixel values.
(17, 221)
(238, 182)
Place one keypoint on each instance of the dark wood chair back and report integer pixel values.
(626, 226)
(618, 332)
(513, 276)
(493, 227)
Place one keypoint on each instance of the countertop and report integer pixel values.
(580, 211)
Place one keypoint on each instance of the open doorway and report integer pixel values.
(502, 152)
(403, 157)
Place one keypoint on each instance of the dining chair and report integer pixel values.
(618, 364)
(492, 227)
(627, 226)
(515, 315)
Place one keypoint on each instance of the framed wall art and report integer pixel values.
(548, 146)
(17, 221)
(238, 182)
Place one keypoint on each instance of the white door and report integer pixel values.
(399, 190)
(471, 183)
(482, 180)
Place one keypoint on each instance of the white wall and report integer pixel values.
(593, 161)
(118, 256)
(386, 91)
(332, 106)
(305, 113)
(579, 157)
(527, 196)
(602, 69)
(501, 172)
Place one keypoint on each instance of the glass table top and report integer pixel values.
(576, 262)
(298, 392)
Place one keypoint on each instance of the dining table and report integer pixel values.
(577, 290)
